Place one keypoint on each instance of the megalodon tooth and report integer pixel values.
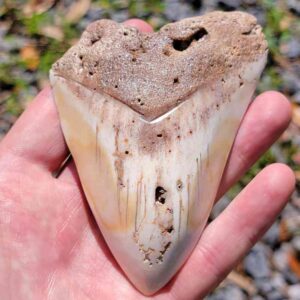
(150, 119)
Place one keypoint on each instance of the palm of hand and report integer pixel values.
(50, 246)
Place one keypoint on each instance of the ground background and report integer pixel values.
(34, 33)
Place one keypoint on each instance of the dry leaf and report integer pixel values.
(294, 264)
(284, 233)
(37, 6)
(296, 158)
(243, 282)
(77, 10)
(53, 32)
(285, 23)
(30, 56)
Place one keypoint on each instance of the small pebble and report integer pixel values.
(294, 5)
(256, 262)
(229, 292)
(294, 292)
(280, 257)
(296, 243)
(264, 286)
(290, 277)
(291, 82)
(291, 49)
(296, 97)
(120, 16)
(278, 282)
(271, 237)
(176, 10)
(275, 295)
(257, 298)
(229, 4)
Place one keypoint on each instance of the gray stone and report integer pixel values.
(291, 82)
(230, 4)
(229, 292)
(275, 295)
(120, 15)
(271, 237)
(13, 42)
(290, 277)
(250, 2)
(278, 282)
(177, 10)
(296, 243)
(257, 298)
(294, 5)
(291, 49)
(294, 292)
(95, 14)
(264, 285)
(256, 262)
(296, 97)
(280, 257)
(259, 13)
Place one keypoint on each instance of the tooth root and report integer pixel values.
(151, 185)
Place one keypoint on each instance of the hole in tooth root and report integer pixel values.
(160, 195)
(170, 229)
(159, 135)
(175, 80)
(167, 52)
(95, 40)
(179, 185)
(183, 44)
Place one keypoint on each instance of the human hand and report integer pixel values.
(51, 247)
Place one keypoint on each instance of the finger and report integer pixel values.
(69, 174)
(37, 135)
(228, 238)
(140, 25)
(267, 117)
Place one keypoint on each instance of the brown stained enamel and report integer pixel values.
(153, 73)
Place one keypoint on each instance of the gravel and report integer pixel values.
(294, 292)
(256, 263)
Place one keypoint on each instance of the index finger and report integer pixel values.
(37, 136)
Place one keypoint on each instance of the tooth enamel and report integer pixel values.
(151, 179)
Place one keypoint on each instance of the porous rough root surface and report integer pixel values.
(154, 72)
(150, 120)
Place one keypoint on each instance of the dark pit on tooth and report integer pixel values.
(183, 44)
(160, 195)
(179, 185)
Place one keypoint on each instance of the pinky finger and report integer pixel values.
(228, 238)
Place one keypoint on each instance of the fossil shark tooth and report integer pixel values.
(150, 120)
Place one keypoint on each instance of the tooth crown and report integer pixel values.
(151, 172)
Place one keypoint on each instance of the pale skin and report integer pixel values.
(51, 247)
